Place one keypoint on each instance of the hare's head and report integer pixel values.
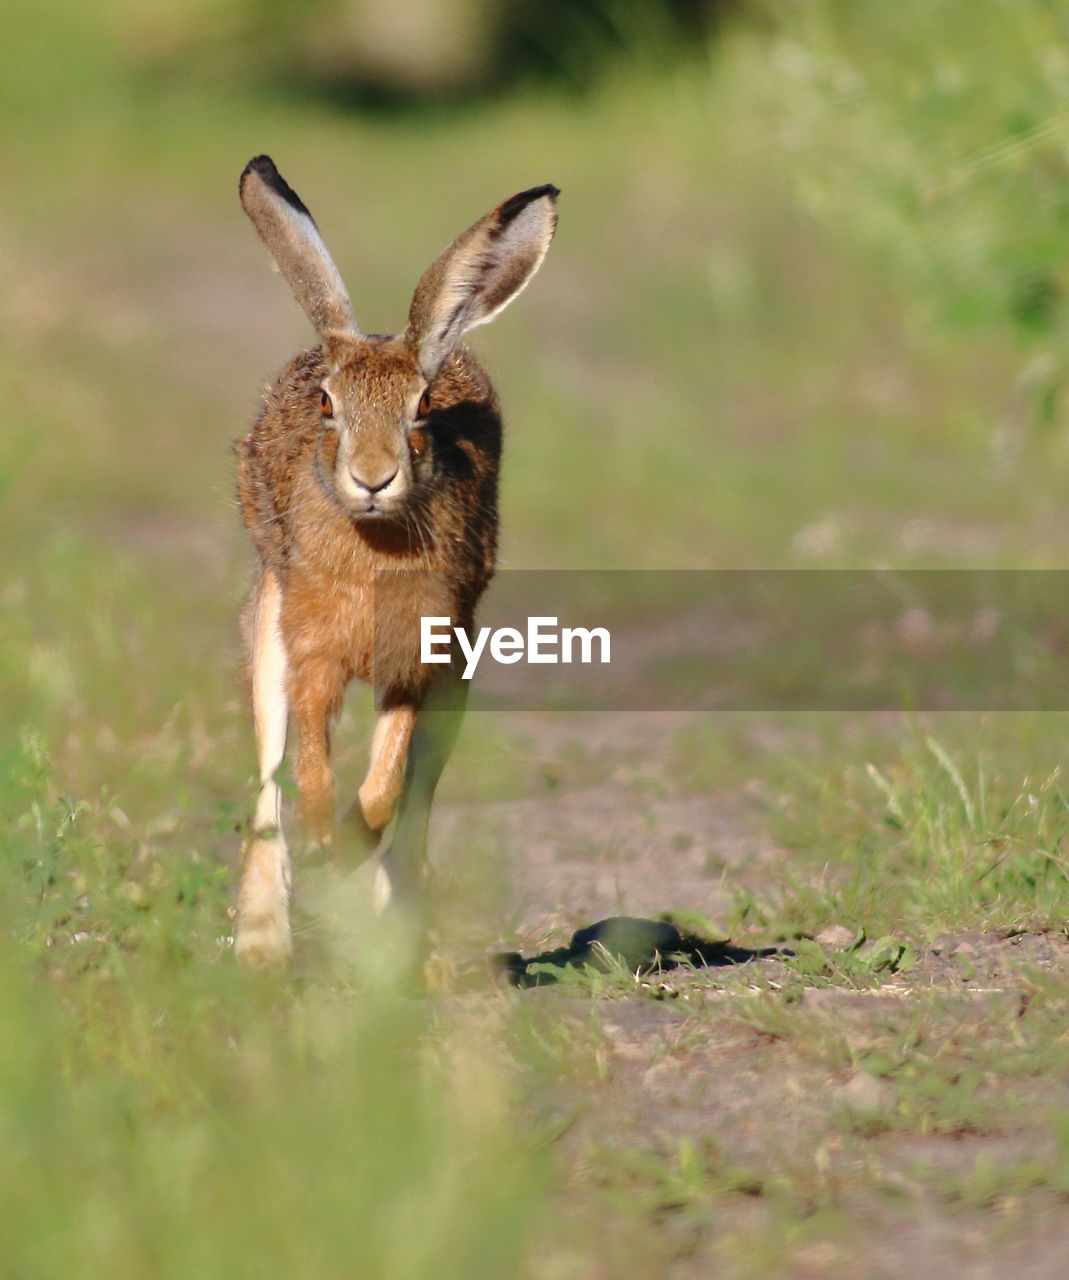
(378, 391)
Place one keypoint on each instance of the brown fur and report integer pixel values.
(335, 625)
(369, 511)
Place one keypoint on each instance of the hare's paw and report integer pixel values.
(263, 942)
(263, 929)
(316, 821)
(376, 802)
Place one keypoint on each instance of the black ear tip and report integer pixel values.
(537, 193)
(263, 165)
(517, 203)
(264, 168)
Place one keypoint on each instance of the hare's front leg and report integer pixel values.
(316, 685)
(263, 931)
(380, 790)
(402, 870)
(375, 803)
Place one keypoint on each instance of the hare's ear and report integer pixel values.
(479, 274)
(293, 239)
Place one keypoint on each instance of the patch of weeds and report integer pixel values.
(863, 963)
(685, 1178)
(1034, 1042)
(85, 890)
(935, 839)
(800, 906)
(933, 1069)
(991, 1183)
(557, 1044)
(925, 1102)
(939, 1068)
(696, 1194)
(778, 1014)
(689, 920)
(604, 975)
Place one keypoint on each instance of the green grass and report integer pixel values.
(156, 1109)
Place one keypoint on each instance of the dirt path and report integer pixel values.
(766, 1121)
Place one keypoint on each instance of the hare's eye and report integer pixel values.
(424, 406)
(326, 405)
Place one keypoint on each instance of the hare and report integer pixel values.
(369, 486)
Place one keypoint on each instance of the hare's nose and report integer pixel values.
(370, 484)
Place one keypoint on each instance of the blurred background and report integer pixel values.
(807, 307)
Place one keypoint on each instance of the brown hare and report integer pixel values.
(369, 486)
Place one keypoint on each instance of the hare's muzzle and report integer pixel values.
(371, 490)
(363, 484)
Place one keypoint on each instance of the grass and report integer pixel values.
(806, 308)
(157, 1108)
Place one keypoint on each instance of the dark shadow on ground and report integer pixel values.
(636, 944)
